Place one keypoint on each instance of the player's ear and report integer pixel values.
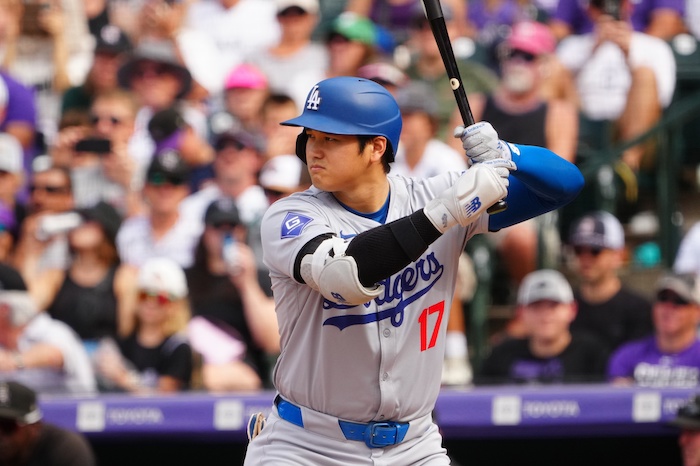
(301, 145)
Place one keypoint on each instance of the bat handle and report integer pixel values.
(499, 206)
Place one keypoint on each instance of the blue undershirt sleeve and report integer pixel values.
(543, 182)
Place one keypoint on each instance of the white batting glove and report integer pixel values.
(475, 191)
(480, 142)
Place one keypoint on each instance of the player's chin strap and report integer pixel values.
(335, 275)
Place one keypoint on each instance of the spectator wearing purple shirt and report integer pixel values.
(671, 357)
(660, 18)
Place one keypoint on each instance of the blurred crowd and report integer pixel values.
(140, 146)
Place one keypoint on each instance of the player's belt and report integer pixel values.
(374, 434)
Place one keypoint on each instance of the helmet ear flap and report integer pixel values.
(301, 145)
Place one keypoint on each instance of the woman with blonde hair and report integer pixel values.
(155, 356)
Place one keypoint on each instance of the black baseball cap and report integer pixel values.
(165, 123)
(111, 39)
(106, 216)
(222, 212)
(18, 403)
(10, 279)
(167, 167)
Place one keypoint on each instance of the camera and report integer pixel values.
(56, 224)
(94, 145)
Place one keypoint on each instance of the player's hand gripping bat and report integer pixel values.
(436, 18)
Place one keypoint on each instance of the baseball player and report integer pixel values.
(363, 269)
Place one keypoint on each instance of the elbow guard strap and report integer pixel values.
(335, 275)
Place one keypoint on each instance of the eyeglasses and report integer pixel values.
(593, 251)
(49, 189)
(161, 298)
(670, 297)
(8, 427)
(94, 119)
(521, 55)
(155, 69)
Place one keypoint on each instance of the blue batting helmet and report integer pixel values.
(351, 106)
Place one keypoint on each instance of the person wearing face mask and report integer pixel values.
(518, 108)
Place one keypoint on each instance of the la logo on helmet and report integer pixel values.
(314, 99)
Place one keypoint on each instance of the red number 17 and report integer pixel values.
(423, 320)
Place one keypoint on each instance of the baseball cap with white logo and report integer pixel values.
(598, 229)
(18, 403)
(161, 274)
(545, 285)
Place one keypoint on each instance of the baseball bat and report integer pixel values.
(436, 18)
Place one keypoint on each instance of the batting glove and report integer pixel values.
(475, 191)
(480, 142)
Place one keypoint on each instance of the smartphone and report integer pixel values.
(612, 8)
(29, 23)
(94, 145)
(57, 224)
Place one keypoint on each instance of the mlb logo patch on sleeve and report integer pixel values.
(294, 224)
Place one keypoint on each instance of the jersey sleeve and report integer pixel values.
(543, 182)
(287, 226)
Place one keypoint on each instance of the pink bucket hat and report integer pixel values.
(246, 76)
(532, 37)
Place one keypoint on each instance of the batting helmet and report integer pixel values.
(351, 106)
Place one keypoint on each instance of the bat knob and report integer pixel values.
(499, 206)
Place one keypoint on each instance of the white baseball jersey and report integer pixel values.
(377, 361)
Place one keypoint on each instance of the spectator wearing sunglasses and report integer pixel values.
(51, 196)
(671, 356)
(607, 309)
(155, 356)
(162, 231)
(25, 439)
(234, 326)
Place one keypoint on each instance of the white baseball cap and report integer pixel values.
(11, 154)
(282, 173)
(309, 6)
(546, 284)
(161, 274)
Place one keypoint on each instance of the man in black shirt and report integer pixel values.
(607, 309)
(550, 354)
(26, 441)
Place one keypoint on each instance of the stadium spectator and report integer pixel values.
(660, 18)
(155, 355)
(236, 166)
(26, 440)
(295, 53)
(283, 175)
(234, 326)
(93, 294)
(426, 65)
(549, 353)
(111, 49)
(34, 348)
(608, 310)
(163, 231)
(622, 77)
(51, 196)
(49, 49)
(671, 356)
(279, 139)
(170, 131)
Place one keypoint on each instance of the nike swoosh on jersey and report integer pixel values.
(351, 235)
